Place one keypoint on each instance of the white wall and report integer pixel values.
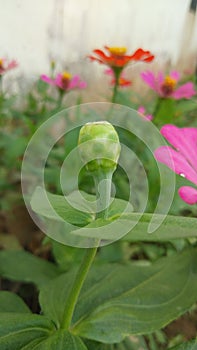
(34, 32)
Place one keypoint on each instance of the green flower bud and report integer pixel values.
(99, 146)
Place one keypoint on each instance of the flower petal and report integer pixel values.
(175, 75)
(184, 91)
(188, 194)
(176, 161)
(150, 79)
(184, 140)
(47, 79)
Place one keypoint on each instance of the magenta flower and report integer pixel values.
(142, 112)
(183, 157)
(166, 86)
(64, 81)
(6, 66)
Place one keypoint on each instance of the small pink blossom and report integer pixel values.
(166, 86)
(64, 81)
(183, 155)
(7, 65)
(141, 110)
(123, 82)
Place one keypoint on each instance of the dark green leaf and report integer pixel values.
(10, 302)
(25, 267)
(119, 300)
(173, 227)
(18, 331)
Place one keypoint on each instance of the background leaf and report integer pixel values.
(10, 302)
(192, 345)
(25, 267)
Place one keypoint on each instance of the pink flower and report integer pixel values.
(123, 82)
(64, 81)
(141, 110)
(166, 86)
(6, 66)
(183, 155)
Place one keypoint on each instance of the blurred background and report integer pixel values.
(66, 31)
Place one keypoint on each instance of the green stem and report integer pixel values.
(76, 287)
(117, 73)
(103, 193)
(103, 200)
(60, 99)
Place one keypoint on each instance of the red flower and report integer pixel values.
(116, 56)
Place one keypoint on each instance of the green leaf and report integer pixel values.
(119, 300)
(192, 345)
(173, 227)
(33, 332)
(19, 330)
(63, 221)
(61, 340)
(45, 203)
(131, 343)
(25, 267)
(10, 302)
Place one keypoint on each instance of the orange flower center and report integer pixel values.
(117, 51)
(168, 85)
(66, 76)
(65, 80)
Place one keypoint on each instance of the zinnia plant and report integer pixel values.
(166, 86)
(117, 59)
(183, 154)
(64, 82)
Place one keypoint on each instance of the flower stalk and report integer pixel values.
(101, 167)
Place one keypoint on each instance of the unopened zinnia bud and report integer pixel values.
(99, 146)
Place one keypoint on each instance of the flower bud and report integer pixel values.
(99, 146)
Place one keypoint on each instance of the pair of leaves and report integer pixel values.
(119, 300)
(116, 301)
(55, 209)
(19, 329)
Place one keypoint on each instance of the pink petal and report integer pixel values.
(184, 140)
(12, 64)
(149, 117)
(109, 71)
(58, 81)
(74, 82)
(175, 75)
(188, 194)
(149, 79)
(82, 85)
(141, 110)
(176, 161)
(184, 91)
(47, 79)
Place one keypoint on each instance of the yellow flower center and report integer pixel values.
(118, 51)
(1, 63)
(170, 82)
(66, 76)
